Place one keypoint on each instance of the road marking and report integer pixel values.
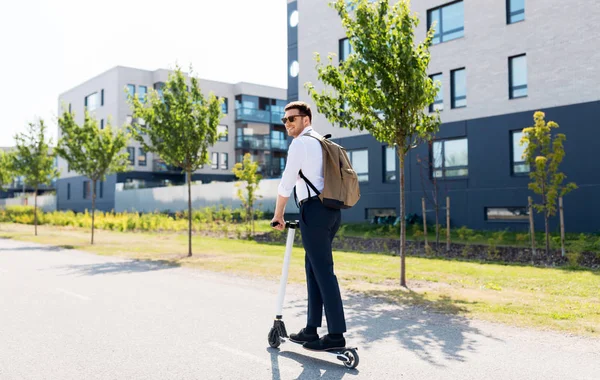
(73, 294)
(274, 365)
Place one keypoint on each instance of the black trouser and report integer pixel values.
(319, 225)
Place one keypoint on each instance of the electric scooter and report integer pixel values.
(278, 333)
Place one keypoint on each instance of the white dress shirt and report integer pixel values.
(305, 153)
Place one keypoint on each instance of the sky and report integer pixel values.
(51, 46)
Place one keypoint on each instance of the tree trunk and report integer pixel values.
(93, 207)
(546, 217)
(189, 181)
(402, 221)
(35, 222)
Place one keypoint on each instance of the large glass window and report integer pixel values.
(517, 73)
(507, 214)
(389, 164)
(131, 90)
(515, 11)
(438, 103)
(87, 190)
(142, 91)
(458, 84)
(142, 157)
(519, 165)
(223, 132)
(224, 161)
(131, 153)
(215, 161)
(92, 101)
(449, 22)
(345, 49)
(360, 162)
(225, 106)
(450, 158)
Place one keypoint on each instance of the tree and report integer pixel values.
(6, 169)
(383, 86)
(92, 152)
(426, 168)
(33, 161)
(544, 153)
(246, 171)
(179, 127)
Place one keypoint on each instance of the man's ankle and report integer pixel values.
(310, 330)
(336, 336)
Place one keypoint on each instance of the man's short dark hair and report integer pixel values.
(303, 107)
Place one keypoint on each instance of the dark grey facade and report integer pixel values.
(491, 182)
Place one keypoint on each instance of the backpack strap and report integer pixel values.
(306, 179)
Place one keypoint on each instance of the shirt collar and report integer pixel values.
(306, 130)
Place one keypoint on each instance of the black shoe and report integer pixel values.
(325, 343)
(303, 337)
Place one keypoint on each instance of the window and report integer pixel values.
(515, 11)
(224, 161)
(92, 101)
(131, 89)
(69, 107)
(102, 97)
(68, 191)
(507, 214)
(519, 165)
(345, 49)
(223, 132)
(449, 22)
(517, 76)
(438, 103)
(294, 19)
(458, 84)
(225, 106)
(451, 158)
(360, 162)
(101, 123)
(215, 161)
(131, 153)
(142, 91)
(141, 157)
(294, 69)
(87, 190)
(389, 164)
(371, 213)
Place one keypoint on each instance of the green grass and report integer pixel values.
(546, 298)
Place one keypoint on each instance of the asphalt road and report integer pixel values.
(66, 314)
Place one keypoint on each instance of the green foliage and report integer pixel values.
(383, 86)
(246, 172)
(6, 169)
(32, 158)
(180, 125)
(91, 151)
(544, 153)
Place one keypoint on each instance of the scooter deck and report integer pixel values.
(330, 350)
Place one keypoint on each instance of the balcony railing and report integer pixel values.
(276, 117)
(253, 114)
(161, 167)
(260, 142)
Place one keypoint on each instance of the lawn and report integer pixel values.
(559, 299)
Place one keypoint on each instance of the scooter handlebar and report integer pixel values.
(288, 224)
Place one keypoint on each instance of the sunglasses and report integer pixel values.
(290, 118)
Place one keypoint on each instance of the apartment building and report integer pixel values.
(252, 122)
(498, 62)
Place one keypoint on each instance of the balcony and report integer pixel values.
(253, 114)
(260, 142)
(161, 167)
(269, 171)
(276, 117)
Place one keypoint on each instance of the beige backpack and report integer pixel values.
(341, 188)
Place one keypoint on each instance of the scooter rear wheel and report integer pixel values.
(274, 340)
(353, 358)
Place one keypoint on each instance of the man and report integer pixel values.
(318, 225)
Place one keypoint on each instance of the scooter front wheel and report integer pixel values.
(274, 340)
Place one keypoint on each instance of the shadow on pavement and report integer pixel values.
(132, 266)
(312, 368)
